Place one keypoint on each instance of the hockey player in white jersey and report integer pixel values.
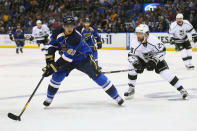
(178, 36)
(40, 33)
(148, 52)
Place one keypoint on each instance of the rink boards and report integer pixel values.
(111, 41)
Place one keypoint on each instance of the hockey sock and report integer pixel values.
(21, 49)
(171, 78)
(180, 88)
(17, 50)
(189, 56)
(108, 87)
(185, 57)
(53, 88)
(51, 92)
(132, 75)
(132, 79)
(111, 91)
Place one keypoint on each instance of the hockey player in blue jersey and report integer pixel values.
(76, 54)
(18, 36)
(90, 33)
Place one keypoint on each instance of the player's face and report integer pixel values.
(179, 21)
(39, 25)
(87, 24)
(69, 29)
(140, 36)
(18, 27)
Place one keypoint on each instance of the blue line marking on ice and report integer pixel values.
(88, 89)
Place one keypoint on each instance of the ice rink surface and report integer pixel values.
(81, 105)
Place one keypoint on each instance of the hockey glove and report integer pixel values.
(46, 38)
(31, 38)
(99, 45)
(11, 38)
(138, 67)
(93, 48)
(140, 70)
(152, 64)
(172, 41)
(49, 59)
(49, 69)
(194, 37)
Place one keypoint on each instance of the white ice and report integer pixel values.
(81, 105)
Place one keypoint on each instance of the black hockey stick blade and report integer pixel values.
(14, 117)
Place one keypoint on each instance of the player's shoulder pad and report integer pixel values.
(44, 26)
(57, 32)
(34, 27)
(173, 24)
(75, 38)
(134, 43)
(186, 22)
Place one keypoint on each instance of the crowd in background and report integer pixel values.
(106, 15)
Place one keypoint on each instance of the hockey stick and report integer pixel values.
(15, 117)
(117, 71)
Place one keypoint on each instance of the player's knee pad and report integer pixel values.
(57, 78)
(54, 83)
(101, 80)
(161, 66)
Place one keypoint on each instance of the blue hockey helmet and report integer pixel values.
(68, 20)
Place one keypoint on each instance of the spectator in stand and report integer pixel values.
(109, 15)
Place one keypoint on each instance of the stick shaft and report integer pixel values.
(31, 96)
(117, 71)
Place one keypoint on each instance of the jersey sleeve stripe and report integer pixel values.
(154, 46)
(66, 58)
(190, 30)
(60, 35)
(136, 49)
(78, 32)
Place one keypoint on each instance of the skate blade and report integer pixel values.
(186, 98)
(129, 97)
(190, 68)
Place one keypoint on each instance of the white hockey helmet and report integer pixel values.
(142, 28)
(179, 16)
(38, 22)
